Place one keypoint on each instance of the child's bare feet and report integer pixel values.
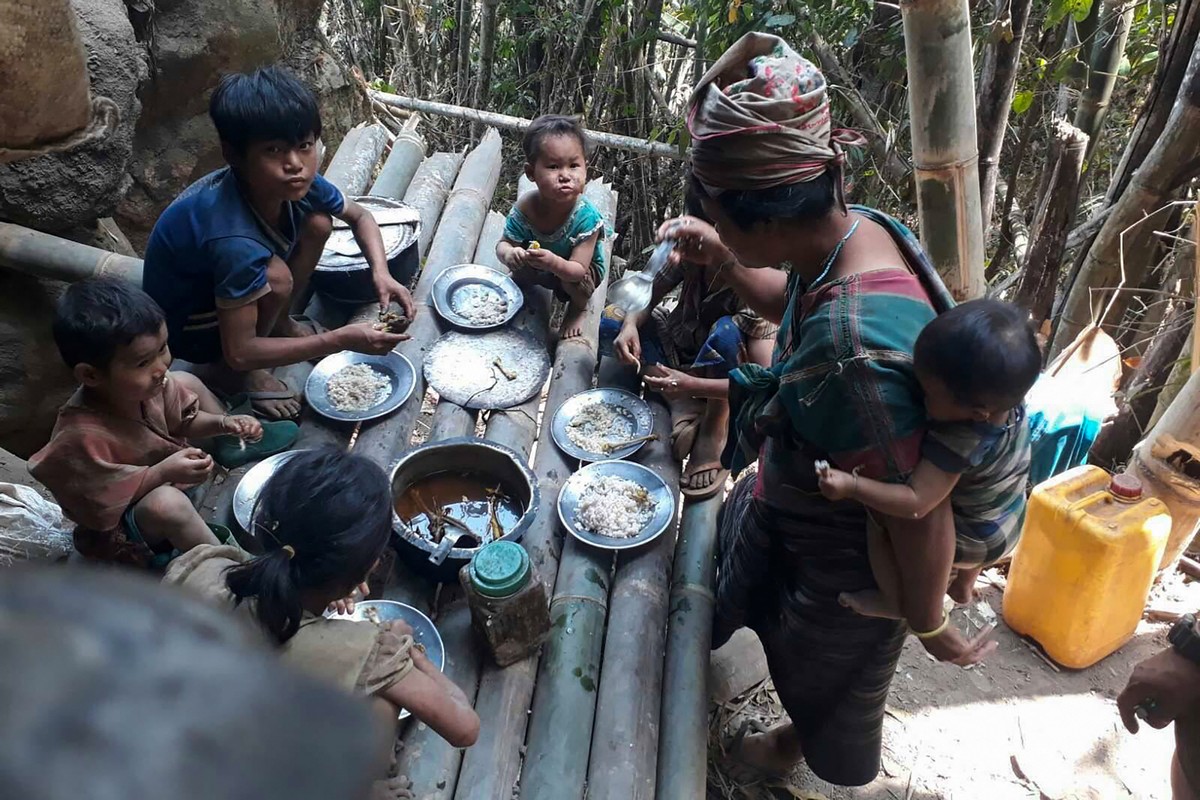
(398, 788)
(962, 588)
(572, 324)
(870, 603)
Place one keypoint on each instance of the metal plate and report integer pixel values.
(424, 631)
(663, 497)
(399, 225)
(641, 422)
(461, 368)
(398, 370)
(251, 486)
(456, 282)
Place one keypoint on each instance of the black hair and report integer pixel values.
(984, 351)
(693, 198)
(98, 315)
(796, 202)
(546, 127)
(333, 511)
(269, 103)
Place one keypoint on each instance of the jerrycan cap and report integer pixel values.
(1126, 487)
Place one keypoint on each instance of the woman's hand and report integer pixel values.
(670, 383)
(697, 242)
(954, 648)
(628, 345)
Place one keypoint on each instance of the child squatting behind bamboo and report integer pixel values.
(975, 363)
(552, 235)
(324, 520)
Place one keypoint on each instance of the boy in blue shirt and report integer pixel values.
(225, 259)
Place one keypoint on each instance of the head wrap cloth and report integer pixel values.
(759, 118)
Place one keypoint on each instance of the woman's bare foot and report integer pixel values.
(870, 603)
(572, 324)
(774, 753)
(962, 588)
(704, 461)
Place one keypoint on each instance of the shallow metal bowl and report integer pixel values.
(343, 273)
(663, 497)
(245, 496)
(465, 454)
(474, 277)
(639, 411)
(425, 633)
(398, 369)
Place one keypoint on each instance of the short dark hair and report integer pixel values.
(334, 511)
(796, 202)
(269, 103)
(546, 127)
(984, 351)
(98, 315)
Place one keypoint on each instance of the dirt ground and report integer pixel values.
(1014, 727)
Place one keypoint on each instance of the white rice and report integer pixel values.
(480, 305)
(599, 424)
(614, 507)
(357, 387)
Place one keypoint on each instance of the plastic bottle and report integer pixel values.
(1087, 557)
(509, 608)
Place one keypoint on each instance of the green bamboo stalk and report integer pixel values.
(683, 742)
(941, 97)
(1108, 48)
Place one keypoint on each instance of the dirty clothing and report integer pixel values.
(584, 221)
(359, 657)
(96, 462)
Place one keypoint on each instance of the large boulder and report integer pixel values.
(67, 189)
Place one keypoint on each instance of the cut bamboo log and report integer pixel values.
(682, 744)
(625, 736)
(408, 151)
(941, 95)
(428, 190)
(47, 256)
(352, 167)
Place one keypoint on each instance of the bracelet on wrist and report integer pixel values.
(938, 631)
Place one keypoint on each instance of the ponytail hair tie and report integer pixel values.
(291, 551)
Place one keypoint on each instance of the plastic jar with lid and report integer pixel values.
(509, 608)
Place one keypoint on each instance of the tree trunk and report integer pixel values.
(487, 55)
(1056, 211)
(465, 22)
(937, 39)
(997, 81)
(1117, 438)
(567, 90)
(1007, 235)
(1108, 49)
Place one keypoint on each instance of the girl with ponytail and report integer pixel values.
(324, 519)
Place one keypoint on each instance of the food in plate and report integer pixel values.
(598, 425)
(614, 507)
(358, 387)
(480, 305)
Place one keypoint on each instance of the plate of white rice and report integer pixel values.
(616, 505)
(354, 387)
(588, 424)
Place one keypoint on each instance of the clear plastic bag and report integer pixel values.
(32, 528)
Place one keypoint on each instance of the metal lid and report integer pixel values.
(399, 227)
(1126, 487)
(500, 569)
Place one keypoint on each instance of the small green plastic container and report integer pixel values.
(509, 608)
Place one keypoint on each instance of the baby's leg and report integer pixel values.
(579, 294)
(166, 516)
(884, 601)
(962, 586)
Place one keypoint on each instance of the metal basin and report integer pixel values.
(494, 461)
(343, 274)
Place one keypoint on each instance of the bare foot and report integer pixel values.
(774, 753)
(870, 603)
(572, 324)
(398, 788)
(962, 588)
(260, 380)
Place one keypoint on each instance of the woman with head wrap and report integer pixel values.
(855, 292)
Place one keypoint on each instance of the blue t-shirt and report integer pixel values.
(210, 249)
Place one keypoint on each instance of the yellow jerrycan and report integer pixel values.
(1087, 557)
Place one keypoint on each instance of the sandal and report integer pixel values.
(231, 452)
(704, 493)
(247, 402)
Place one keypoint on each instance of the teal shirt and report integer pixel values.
(585, 219)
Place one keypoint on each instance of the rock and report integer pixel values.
(61, 190)
(736, 667)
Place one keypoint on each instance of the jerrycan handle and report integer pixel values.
(1127, 488)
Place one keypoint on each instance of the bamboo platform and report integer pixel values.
(582, 717)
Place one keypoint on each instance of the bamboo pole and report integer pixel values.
(1108, 48)
(941, 96)
(683, 742)
(428, 190)
(625, 736)
(48, 256)
(408, 151)
(352, 166)
(1118, 254)
(1195, 364)
(506, 122)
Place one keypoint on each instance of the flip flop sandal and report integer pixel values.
(717, 485)
(739, 771)
(231, 452)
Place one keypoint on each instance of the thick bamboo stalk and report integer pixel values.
(997, 80)
(506, 122)
(1118, 254)
(625, 736)
(490, 768)
(1108, 48)
(353, 166)
(408, 151)
(47, 256)
(941, 96)
(1056, 210)
(428, 190)
(683, 742)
